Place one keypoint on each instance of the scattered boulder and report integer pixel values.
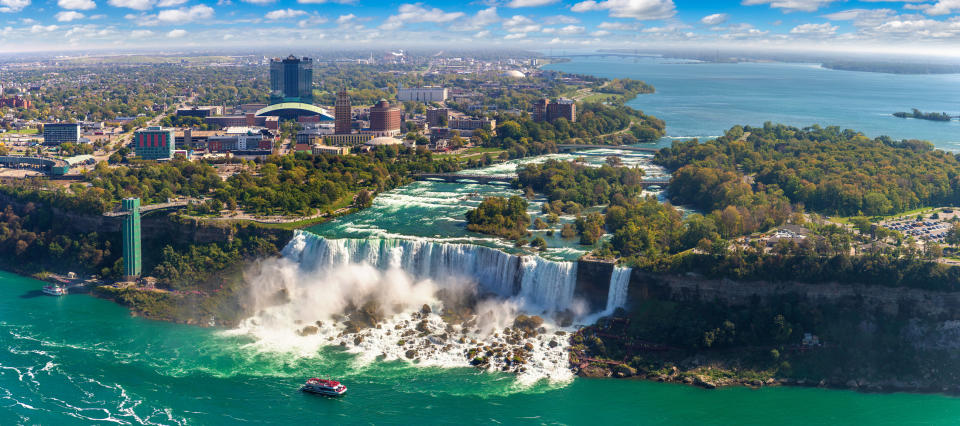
(308, 331)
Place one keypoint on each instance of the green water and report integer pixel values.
(80, 360)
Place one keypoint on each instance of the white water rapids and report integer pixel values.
(307, 299)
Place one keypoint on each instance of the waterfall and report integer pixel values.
(541, 283)
(619, 282)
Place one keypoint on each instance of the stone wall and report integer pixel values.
(593, 282)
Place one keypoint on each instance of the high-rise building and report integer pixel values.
(154, 143)
(291, 80)
(343, 115)
(437, 117)
(131, 238)
(544, 110)
(58, 133)
(384, 119)
(422, 94)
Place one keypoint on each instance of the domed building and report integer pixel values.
(381, 141)
(513, 74)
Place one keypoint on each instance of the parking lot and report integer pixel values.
(928, 228)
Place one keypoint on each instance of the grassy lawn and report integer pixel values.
(23, 132)
(920, 210)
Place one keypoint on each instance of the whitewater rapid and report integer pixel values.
(435, 304)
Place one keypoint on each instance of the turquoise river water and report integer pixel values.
(80, 360)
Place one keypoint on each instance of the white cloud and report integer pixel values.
(529, 3)
(814, 29)
(326, 1)
(481, 20)
(177, 33)
(515, 36)
(715, 19)
(560, 19)
(520, 24)
(258, 2)
(312, 21)
(791, 5)
(943, 7)
(600, 33)
(43, 29)
(131, 4)
(284, 14)
(140, 33)
(622, 26)
(68, 15)
(13, 6)
(77, 4)
(482, 34)
(567, 30)
(637, 9)
(185, 14)
(170, 3)
(343, 19)
(416, 13)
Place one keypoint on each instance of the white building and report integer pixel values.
(422, 94)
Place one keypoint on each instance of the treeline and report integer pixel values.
(570, 181)
(627, 87)
(826, 170)
(288, 185)
(505, 217)
(932, 116)
(521, 136)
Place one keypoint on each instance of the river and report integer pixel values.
(80, 360)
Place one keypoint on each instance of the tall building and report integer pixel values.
(131, 238)
(544, 110)
(291, 80)
(154, 143)
(58, 133)
(384, 119)
(437, 117)
(343, 115)
(422, 94)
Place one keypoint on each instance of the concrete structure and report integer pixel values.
(51, 166)
(200, 111)
(384, 119)
(422, 94)
(471, 124)
(343, 113)
(334, 150)
(544, 110)
(438, 117)
(241, 139)
(58, 133)
(154, 143)
(346, 140)
(291, 80)
(132, 260)
(249, 119)
(15, 102)
(292, 110)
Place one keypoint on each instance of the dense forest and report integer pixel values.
(827, 170)
(932, 116)
(570, 181)
(506, 217)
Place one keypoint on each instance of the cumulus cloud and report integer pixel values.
(520, 24)
(194, 13)
(791, 5)
(312, 21)
(170, 3)
(177, 33)
(636, 9)
(131, 4)
(140, 33)
(943, 7)
(416, 13)
(560, 19)
(343, 19)
(814, 29)
(529, 3)
(68, 15)
(621, 26)
(284, 14)
(43, 28)
(481, 20)
(77, 4)
(515, 36)
(715, 19)
(259, 2)
(567, 30)
(13, 6)
(482, 34)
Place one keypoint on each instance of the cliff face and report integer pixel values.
(593, 282)
(889, 301)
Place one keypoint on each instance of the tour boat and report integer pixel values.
(324, 387)
(55, 290)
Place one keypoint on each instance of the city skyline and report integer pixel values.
(906, 26)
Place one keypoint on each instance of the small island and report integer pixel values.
(920, 115)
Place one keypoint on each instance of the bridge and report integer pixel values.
(152, 207)
(486, 180)
(577, 147)
(453, 178)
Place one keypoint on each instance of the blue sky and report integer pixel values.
(914, 26)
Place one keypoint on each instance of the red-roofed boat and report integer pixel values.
(324, 387)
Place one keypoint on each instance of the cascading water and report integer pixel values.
(619, 282)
